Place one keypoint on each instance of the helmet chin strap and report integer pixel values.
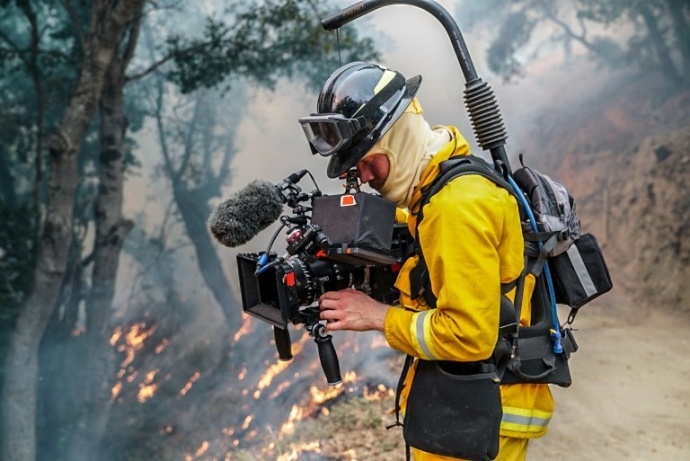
(337, 39)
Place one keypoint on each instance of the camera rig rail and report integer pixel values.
(333, 242)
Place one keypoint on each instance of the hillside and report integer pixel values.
(626, 157)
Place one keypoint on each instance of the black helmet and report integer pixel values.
(358, 103)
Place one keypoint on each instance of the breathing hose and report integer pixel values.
(480, 101)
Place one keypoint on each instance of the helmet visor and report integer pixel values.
(328, 133)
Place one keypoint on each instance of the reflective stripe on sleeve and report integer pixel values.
(419, 331)
(522, 420)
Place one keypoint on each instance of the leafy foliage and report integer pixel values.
(264, 42)
(652, 34)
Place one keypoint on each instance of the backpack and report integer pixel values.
(457, 406)
(568, 266)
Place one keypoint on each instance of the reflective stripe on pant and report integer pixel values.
(510, 449)
(531, 423)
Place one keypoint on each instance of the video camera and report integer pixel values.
(333, 242)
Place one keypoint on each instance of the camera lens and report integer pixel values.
(313, 278)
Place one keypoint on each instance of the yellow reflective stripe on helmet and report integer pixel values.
(524, 420)
(383, 81)
(421, 339)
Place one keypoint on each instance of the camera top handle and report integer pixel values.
(480, 101)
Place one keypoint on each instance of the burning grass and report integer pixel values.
(354, 429)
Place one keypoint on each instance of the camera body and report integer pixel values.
(350, 240)
(334, 242)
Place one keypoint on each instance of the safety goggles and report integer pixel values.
(328, 133)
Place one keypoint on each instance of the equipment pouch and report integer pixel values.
(535, 361)
(454, 409)
(580, 274)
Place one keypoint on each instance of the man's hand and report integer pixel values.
(350, 309)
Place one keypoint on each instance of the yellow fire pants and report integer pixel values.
(510, 449)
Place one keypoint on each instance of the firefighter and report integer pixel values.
(368, 118)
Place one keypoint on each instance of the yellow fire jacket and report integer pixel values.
(472, 243)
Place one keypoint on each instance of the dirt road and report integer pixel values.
(630, 397)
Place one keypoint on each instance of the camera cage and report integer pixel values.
(333, 242)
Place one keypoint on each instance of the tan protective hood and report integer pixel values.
(409, 145)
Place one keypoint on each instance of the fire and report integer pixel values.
(147, 389)
(280, 388)
(115, 391)
(242, 374)
(162, 346)
(131, 342)
(136, 335)
(117, 334)
(378, 394)
(244, 329)
(277, 368)
(295, 415)
(314, 447)
(190, 383)
(247, 421)
(202, 449)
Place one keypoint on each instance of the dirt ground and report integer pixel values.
(630, 397)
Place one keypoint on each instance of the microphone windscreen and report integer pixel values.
(252, 209)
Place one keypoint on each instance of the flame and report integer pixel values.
(133, 341)
(130, 343)
(277, 368)
(162, 346)
(279, 389)
(116, 336)
(147, 389)
(244, 329)
(319, 396)
(288, 426)
(115, 391)
(247, 421)
(378, 394)
(202, 449)
(314, 447)
(190, 383)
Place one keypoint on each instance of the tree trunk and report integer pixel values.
(195, 216)
(660, 46)
(681, 28)
(19, 391)
(7, 187)
(58, 390)
(194, 211)
(98, 364)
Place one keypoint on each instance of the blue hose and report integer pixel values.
(556, 329)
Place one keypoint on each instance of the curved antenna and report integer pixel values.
(480, 101)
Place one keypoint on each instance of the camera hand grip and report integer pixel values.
(328, 357)
(283, 343)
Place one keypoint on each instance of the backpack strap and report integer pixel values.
(420, 282)
(450, 169)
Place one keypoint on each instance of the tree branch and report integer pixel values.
(67, 4)
(132, 39)
(150, 70)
